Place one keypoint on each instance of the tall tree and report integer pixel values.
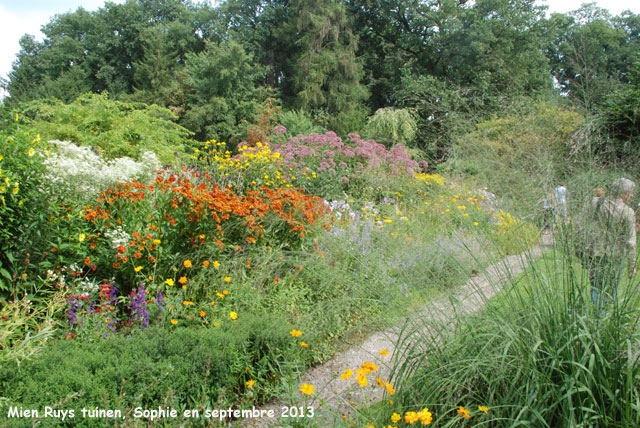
(223, 82)
(592, 54)
(327, 73)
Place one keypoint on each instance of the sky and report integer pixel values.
(19, 17)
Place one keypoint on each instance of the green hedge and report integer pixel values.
(182, 369)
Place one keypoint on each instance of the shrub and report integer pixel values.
(392, 126)
(115, 128)
(26, 208)
(81, 174)
(182, 369)
(519, 153)
(296, 122)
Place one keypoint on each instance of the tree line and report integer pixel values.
(222, 68)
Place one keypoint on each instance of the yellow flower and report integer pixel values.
(361, 379)
(187, 302)
(187, 263)
(216, 264)
(216, 324)
(411, 417)
(250, 383)
(464, 413)
(169, 282)
(225, 292)
(174, 322)
(227, 279)
(390, 389)
(157, 241)
(367, 368)
(295, 333)
(304, 345)
(81, 237)
(379, 382)
(484, 409)
(31, 152)
(395, 418)
(425, 416)
(138, 268)
(16, 189)
(384, 353)
(233, 315)
(347, 374)
(307, 389)
(219, 294)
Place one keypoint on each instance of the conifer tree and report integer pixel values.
(327, 75)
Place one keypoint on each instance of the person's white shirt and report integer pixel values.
(560, 194)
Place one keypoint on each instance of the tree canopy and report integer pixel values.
(336, 61)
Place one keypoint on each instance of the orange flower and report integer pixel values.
(187, 263)
(137, 255)
(205, 263)
(183, 280)
(87, 261)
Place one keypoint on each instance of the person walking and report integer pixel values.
(614, 243)
(560, 195)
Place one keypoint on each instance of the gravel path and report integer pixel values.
(335, 397)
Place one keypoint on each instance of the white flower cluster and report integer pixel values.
(87, 287)
(340, 207)
(82, 171)
(118, 237)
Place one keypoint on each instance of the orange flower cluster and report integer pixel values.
(200, 208)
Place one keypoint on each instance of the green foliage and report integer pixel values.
(621, 120)
(111, 49)
(182, 369)
(591, 53)
(223, 80)
(25, 329)
(25, 206)
(520, 154)
(539, 355)
(298, 123)
(443, 111)
(485, 50)
(327, 72)
(115, 128)
(391, 126)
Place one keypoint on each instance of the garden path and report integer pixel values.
(334, 397)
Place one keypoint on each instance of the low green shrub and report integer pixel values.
(188, 368)
(115, 128)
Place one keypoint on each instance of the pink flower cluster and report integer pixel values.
(327, 152)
